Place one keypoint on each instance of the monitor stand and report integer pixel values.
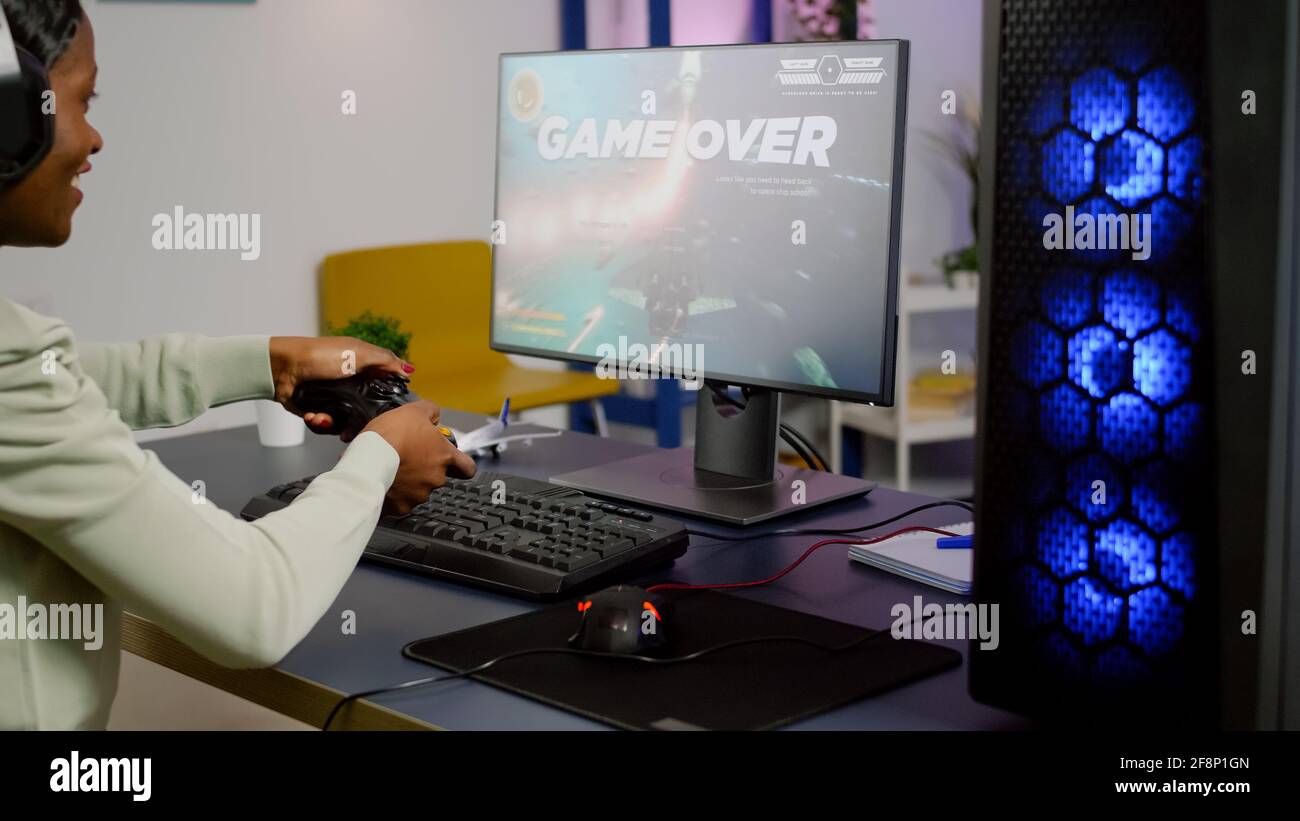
(730, 476)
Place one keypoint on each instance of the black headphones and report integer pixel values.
(26, 128)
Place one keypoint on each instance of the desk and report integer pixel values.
(393, 608)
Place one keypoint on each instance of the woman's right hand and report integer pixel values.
(427, 457)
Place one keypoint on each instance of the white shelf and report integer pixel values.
(895, 423)
(944, 487)
(920, 299)
(883, 422)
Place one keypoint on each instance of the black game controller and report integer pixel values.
(352, 402)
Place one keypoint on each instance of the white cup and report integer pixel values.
(277, 427)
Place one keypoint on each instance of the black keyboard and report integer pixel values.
(513, 535)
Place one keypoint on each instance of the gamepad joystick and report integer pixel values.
(354, 401)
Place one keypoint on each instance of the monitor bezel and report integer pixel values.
(884, 397)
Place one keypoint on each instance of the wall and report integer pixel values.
(234, 108)
(945, 54)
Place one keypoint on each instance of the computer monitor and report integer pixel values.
(726, 214)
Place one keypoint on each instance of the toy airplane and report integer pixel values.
(492, 437)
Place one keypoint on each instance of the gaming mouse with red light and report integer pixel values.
(622, 619)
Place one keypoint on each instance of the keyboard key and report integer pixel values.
(575, 561)
(449, 532)
(409, 523)
(618, 546)
(526, 554)
(488, 522)
(472, 527)
(410, 553)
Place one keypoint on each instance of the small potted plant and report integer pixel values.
(384, 331)
(963, 149)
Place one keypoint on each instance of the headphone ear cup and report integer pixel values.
(25, 139)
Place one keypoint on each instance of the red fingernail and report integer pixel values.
(408, 367)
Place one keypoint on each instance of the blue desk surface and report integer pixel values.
(393, 608)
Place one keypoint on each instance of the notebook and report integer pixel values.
(914, 556)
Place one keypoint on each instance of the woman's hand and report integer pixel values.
(427, 457)
(298, 359)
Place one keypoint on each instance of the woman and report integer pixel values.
(88, 518)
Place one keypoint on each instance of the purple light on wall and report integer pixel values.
(718, 21)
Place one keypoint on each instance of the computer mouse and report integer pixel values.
(622, 619)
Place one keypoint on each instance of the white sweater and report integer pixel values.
(87, 517)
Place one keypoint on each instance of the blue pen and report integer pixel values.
(953, 543)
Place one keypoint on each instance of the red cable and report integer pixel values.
(730, 585)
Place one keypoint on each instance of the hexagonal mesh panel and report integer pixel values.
(1097, 364)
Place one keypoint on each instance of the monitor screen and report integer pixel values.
(729, 212)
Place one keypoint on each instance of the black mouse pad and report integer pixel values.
(749, 687)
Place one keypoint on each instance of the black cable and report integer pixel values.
(571, 651)
(825, 466)
(796, 440)
(816, 531)
(799, 449)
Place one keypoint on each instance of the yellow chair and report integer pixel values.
(441, 293)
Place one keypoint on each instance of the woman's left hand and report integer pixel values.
(298, 359)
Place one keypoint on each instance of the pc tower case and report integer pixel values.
(1137, 415)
